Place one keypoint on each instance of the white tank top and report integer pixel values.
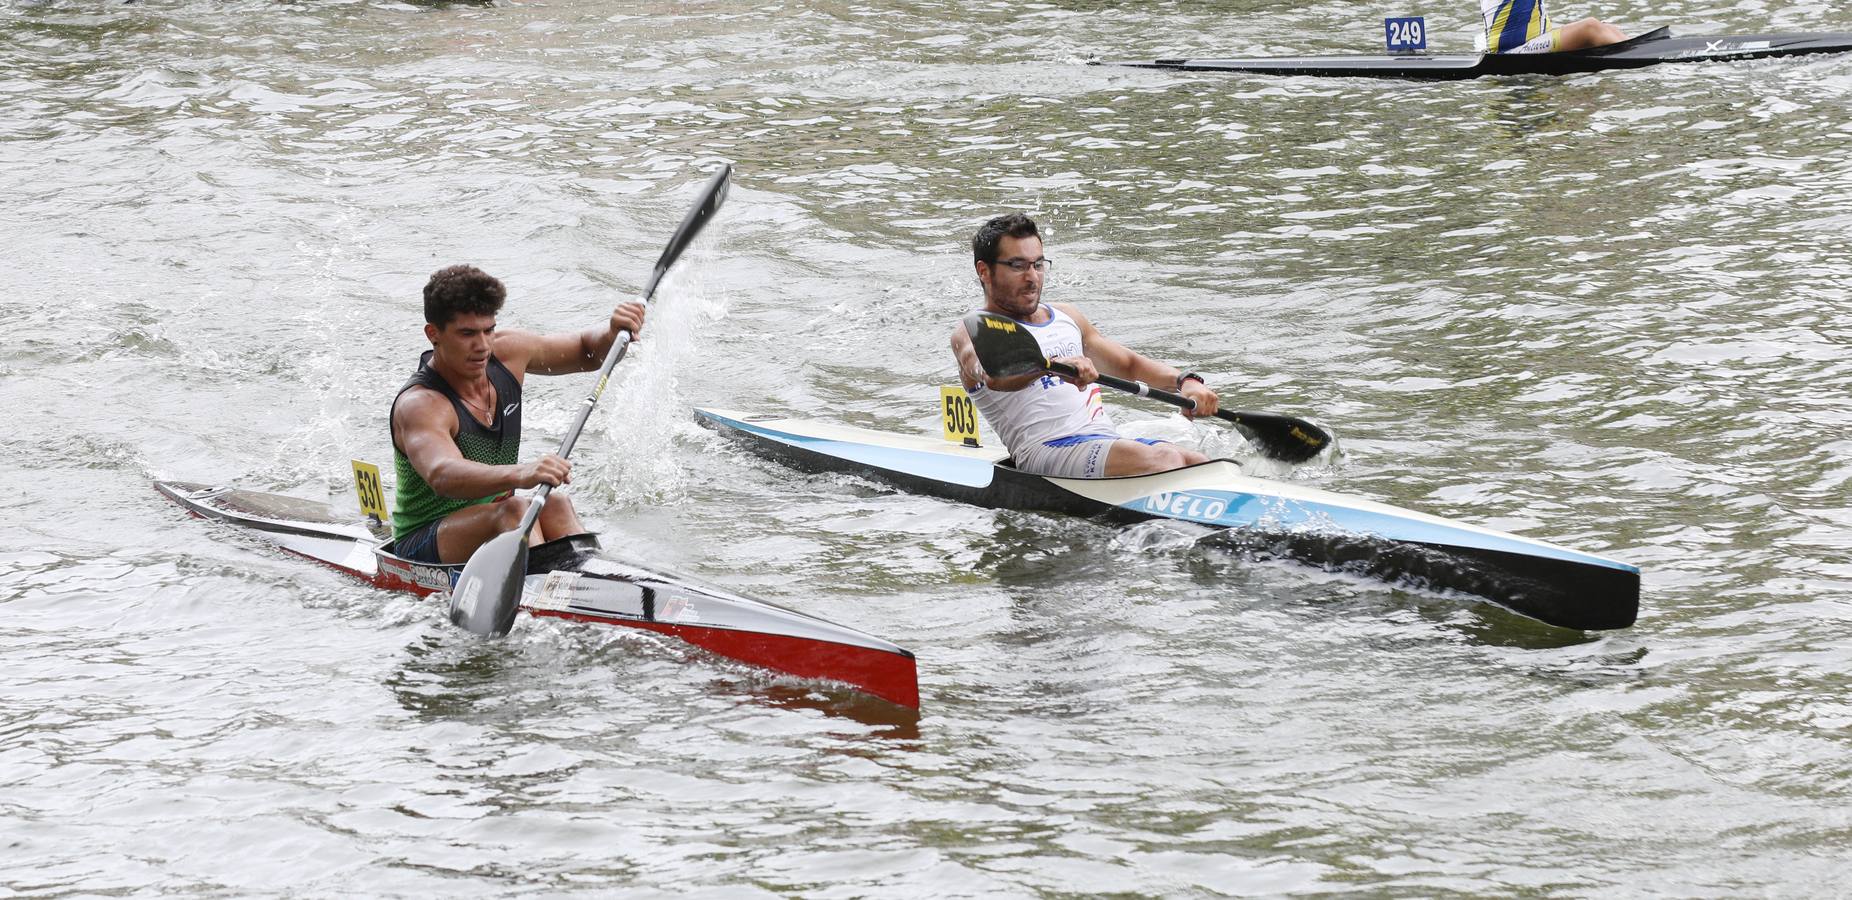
(1049, 409)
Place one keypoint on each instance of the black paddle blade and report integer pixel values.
(488, 593)
(1005, 348)
(713, 194)
(1281, 437)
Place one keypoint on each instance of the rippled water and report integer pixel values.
(1607, 311)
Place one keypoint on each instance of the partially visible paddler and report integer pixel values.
(456, 425)
(1524, 26)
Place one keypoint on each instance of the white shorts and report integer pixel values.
(1080, 456)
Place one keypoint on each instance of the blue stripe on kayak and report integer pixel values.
(1238, 510)
(946, 467)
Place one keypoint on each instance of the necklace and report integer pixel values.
(488, 410)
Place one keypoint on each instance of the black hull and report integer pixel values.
(1586, 598)
(1651, 49)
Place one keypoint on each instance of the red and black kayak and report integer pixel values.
(572, 578)
(1649, 49)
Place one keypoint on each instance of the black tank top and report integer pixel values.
(495, 444)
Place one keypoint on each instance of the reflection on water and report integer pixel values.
(445, 678)
(1605, 311)
(1045, 551)
(435, 682)
(891, 725)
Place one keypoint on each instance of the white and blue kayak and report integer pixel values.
(1553, 584)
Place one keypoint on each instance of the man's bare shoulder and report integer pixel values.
(421, 406)
(516, 348)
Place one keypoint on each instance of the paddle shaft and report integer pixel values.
(611, 360)
(1133, 387)
(1306, 439)
(487, 593)
(713, 193)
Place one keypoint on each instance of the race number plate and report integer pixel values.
(367, 488)
(1406, 34)
(958, 414)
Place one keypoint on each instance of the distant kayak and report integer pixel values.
(1649, 49)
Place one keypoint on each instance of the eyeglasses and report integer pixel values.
(1019, 266)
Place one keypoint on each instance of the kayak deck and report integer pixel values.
(1550, 583)
(1652, 48)
(571, 578)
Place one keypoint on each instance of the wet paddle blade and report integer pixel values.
(713, 193)
(1281, 437)
(1005, 348)
(488, 593)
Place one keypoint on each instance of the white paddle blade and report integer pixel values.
(488, 593)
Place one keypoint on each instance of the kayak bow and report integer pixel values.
(1649, 49)
(571, 578)
(1547, 582)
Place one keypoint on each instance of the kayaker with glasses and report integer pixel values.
(1054, 425)
(1523, 26)
(456, 425)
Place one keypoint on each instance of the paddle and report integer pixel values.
(488, 593)
(1006, 348)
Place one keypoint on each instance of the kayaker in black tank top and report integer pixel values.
(496, 444)
(456, 425)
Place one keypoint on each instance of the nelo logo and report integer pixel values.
(1185, 505)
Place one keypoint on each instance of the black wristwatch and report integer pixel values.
(1189, 376)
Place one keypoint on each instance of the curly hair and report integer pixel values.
(459, 290)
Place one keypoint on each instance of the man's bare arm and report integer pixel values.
(1114, 358)
(426, 424)
(568, 352)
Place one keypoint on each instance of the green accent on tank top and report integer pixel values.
(416, 505)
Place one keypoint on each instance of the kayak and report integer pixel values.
(1649, 49)
(572, 578)
(1550, 583)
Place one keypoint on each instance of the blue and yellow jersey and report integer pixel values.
(1517, 26)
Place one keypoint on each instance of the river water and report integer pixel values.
(1608, 311)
